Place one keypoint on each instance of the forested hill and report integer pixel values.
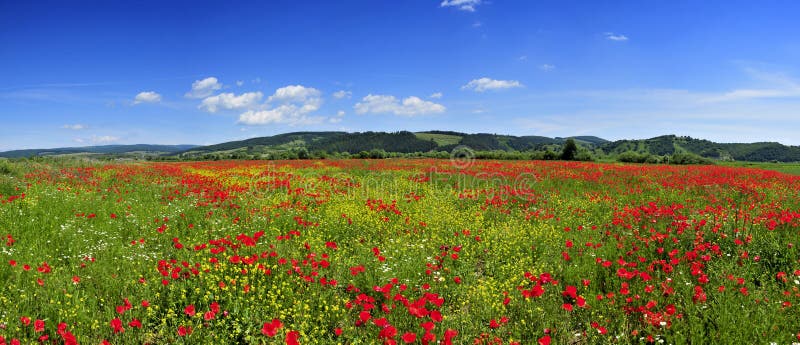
(665, 148)
(671, 144)
(319, 144)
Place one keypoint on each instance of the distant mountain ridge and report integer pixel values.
(102, 149)
(335, 143)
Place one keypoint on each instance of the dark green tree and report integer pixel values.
(570, 150)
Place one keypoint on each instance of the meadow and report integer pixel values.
(397, 251)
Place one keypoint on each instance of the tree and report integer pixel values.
(570, 150)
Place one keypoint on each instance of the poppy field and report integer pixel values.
(398, 251)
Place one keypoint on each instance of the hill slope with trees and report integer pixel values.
(661, 149)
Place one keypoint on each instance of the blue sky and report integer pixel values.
(202, 72)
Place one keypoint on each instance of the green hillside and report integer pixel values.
(671, 144)
(286, 140)
(402, 142)
(441, 139)
(661, 149)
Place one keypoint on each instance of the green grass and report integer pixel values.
(440, 139)
(788, 168)
(471, 242)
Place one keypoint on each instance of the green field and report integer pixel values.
(788, 168)
(440, 139)
(416, 251)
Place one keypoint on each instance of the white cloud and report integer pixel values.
(436, 95)
(342, 94)
(283, 114)
(615, 37)
(239, 82)
(477, 24)
(105, 139)
(483, 84)
(294, 93)
(204, 88)
(381, 104)
(75, 127)
(464, 5)
(338, 118)
(523, 58)
(547, 67)
(295, 104)
(231, 101)
(147, 97)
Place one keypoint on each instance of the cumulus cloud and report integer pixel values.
(284, 114)
(436, 95)
(75, 127)
(410, 106)
(230, 101)
(615, 37)
(464, 5)
(295, 93)
(338, 118)
(342, 94)
(204, 88)
(292, 105)
(147, 97)
(105, 139)
(483, 84)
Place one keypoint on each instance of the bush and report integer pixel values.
(6, 167)
(688, 158)
(632, 157)
(584, 156)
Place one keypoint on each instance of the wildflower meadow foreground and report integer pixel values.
(414, 251)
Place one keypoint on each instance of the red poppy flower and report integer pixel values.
(545, 340)
(38, 326)
(292, 338)
(270, 329)
(436, 316)
(116, 325)
(184, 330)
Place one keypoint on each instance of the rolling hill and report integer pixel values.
(404, 142)
(671, 144)
(381, 144)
